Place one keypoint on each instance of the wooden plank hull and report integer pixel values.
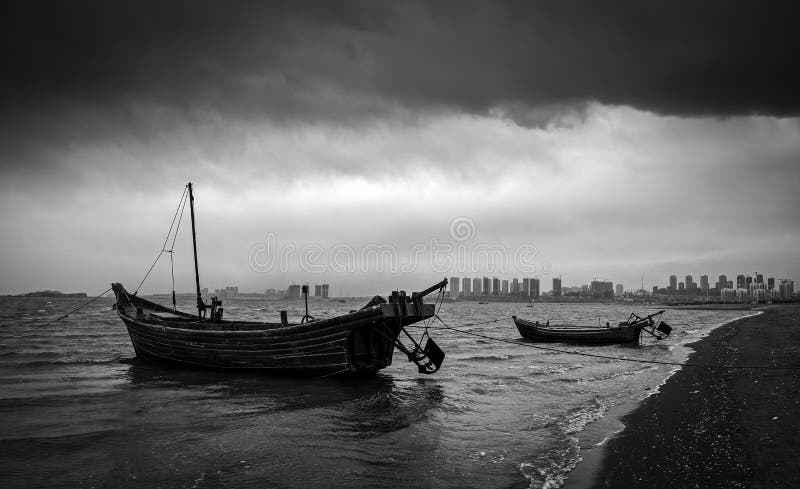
(577, 334)
(361, 342)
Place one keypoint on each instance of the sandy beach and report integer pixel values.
(731, 426)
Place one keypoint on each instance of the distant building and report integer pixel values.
(228, 292)
(681, 286)
(495, 286)
(454, 286)
(476, 286)
(771, 283)
(787, 289)
(741, 282)
(535, 288)
(728, 294)
(723, 282)
(504, 287)
(526, 287)
(619, 290)
(673, 283)
(467, 286)
(325, 289)
(515, 290)
(704, 283)
(293, 292)
(318, 290)
(487, 286)
(759, 278)
(603, 289)
(690, 283)
(557, 287)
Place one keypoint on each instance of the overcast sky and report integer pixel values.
(620, 140)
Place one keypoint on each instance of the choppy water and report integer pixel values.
(77, 410)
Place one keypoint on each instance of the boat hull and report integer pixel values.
(361, 342)
(577, 334)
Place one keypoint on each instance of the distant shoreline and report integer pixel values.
(52, 294)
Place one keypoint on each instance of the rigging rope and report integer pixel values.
(607, 357)
(181, 206)
(61, 317)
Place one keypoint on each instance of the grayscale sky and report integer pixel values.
(621, 140)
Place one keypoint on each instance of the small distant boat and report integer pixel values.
(625, 332)
(360, 342)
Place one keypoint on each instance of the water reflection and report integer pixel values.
(372, 404)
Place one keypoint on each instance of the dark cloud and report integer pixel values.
(349, 59)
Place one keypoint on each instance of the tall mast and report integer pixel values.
(200, 304)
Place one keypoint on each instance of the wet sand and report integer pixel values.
(715, 427)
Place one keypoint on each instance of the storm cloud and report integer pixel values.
(352, 59)
(621, 140)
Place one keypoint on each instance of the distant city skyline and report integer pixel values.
(505, 284)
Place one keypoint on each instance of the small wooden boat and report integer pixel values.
(360, 342)
(625, 332)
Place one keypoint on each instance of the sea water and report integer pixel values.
(77, 409)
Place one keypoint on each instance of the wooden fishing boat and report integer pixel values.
(360, 342)
(628, 331)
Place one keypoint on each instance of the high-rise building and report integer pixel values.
(723, 282)
(759, 278)
(557, 287)
(787, 289)
(535, 288)
(325, 290)
(515, 290)
(504, 287)
(466, 284)
(495, 286)
(597, 287)
(771, 283)
(294, 292)
(526, 287)
(704, 283)
(476, 286)
(454, 286)
(741, 283)
(619, 290)
(673, 283)
(681, 286)
(487, 286)
(690, 283)
(318, 290)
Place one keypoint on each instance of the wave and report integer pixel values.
(488, 358)
(62, 361)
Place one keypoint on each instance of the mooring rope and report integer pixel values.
(594, 355)
(61, 317)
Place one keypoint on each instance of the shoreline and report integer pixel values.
(702, 425)
(585, 473)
